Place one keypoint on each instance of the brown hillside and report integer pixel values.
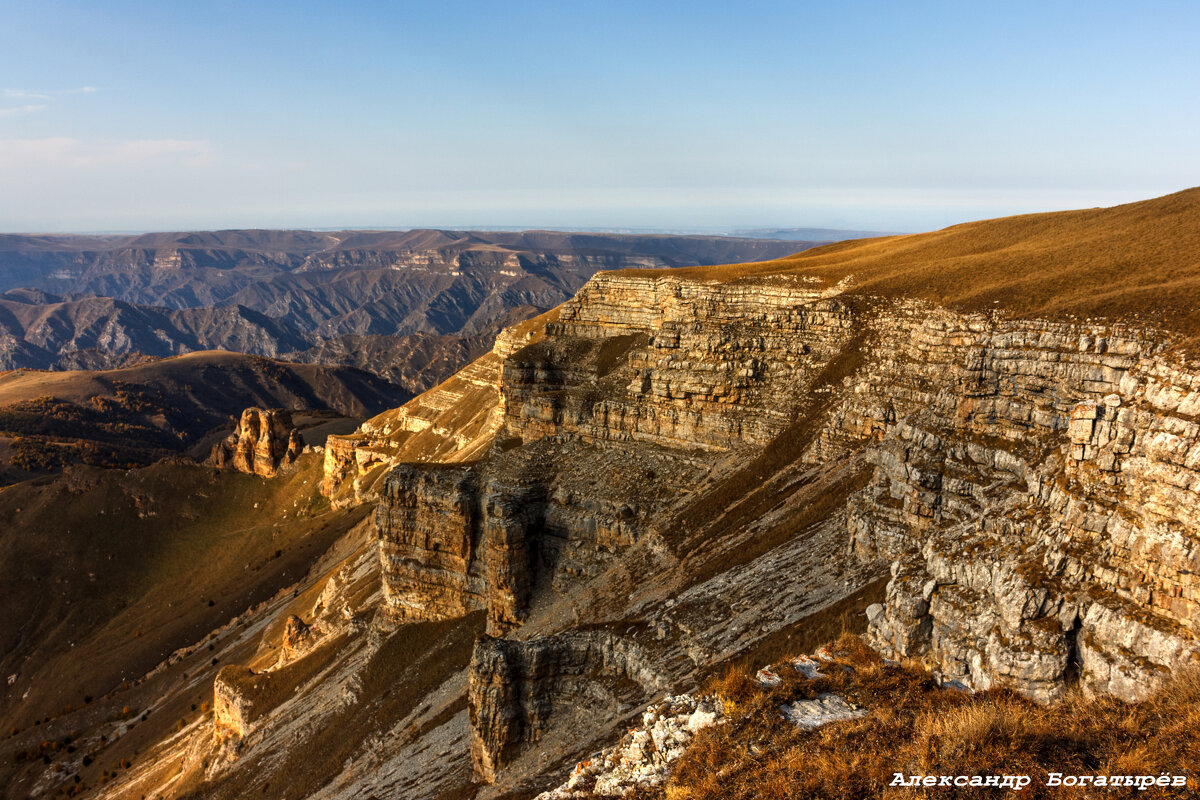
(136, 415)
(1140, 260)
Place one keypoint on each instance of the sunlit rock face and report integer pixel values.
(264, 441)
(1036, 486)
(624, 401)
(1033, 483)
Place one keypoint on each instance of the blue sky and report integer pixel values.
(894, 116)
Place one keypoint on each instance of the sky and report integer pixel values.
(131, 116)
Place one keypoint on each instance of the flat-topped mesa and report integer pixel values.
(264, 441)
(626, 401)
(1036, 485)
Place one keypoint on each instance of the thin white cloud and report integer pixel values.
(44, 94)
(18, 111)
(78, 154)
(23, 94)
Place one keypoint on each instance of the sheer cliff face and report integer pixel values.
(1035, 484)
(1031, 483)
(678, 364)
(634, 392)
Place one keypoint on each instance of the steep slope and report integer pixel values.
(682, 470)
(107, 575)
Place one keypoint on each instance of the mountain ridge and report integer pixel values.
(681, 470)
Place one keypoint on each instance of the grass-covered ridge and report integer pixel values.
(1139, 261)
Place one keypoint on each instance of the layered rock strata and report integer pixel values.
(703, 365)
(455, 421)
(264, 441)
(1034, 485)
(1030, 483)
(618, 409)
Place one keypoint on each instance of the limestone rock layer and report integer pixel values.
(1033, 484)
(623, 403)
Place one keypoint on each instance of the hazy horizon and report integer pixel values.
(864, 116)
(727, 231)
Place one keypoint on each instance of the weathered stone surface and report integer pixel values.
(297, 638)
(515, 686)
(709, 366)
(1035, 483)
(454, 422)
(264, 441)
(609, 411)
(232, 708)
(429, 526)
(643, 757)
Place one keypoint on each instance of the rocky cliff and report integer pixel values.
(1029, 482)
(646, 383)
(678, 471)
(264, 441)
(1034, 485)
(518, 690)
(455, 421)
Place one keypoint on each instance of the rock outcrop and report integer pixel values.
(1029, 482)
(643, 757)
(681, 364)
(455, 421)
(516, 688)
(232, 707)
(264, 441)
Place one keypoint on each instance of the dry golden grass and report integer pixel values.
(1136, 261)
(916, 728)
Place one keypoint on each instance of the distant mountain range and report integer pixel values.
(412, 306)
(808, 234)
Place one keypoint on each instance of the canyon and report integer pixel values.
(412, 306)
(676, 471)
